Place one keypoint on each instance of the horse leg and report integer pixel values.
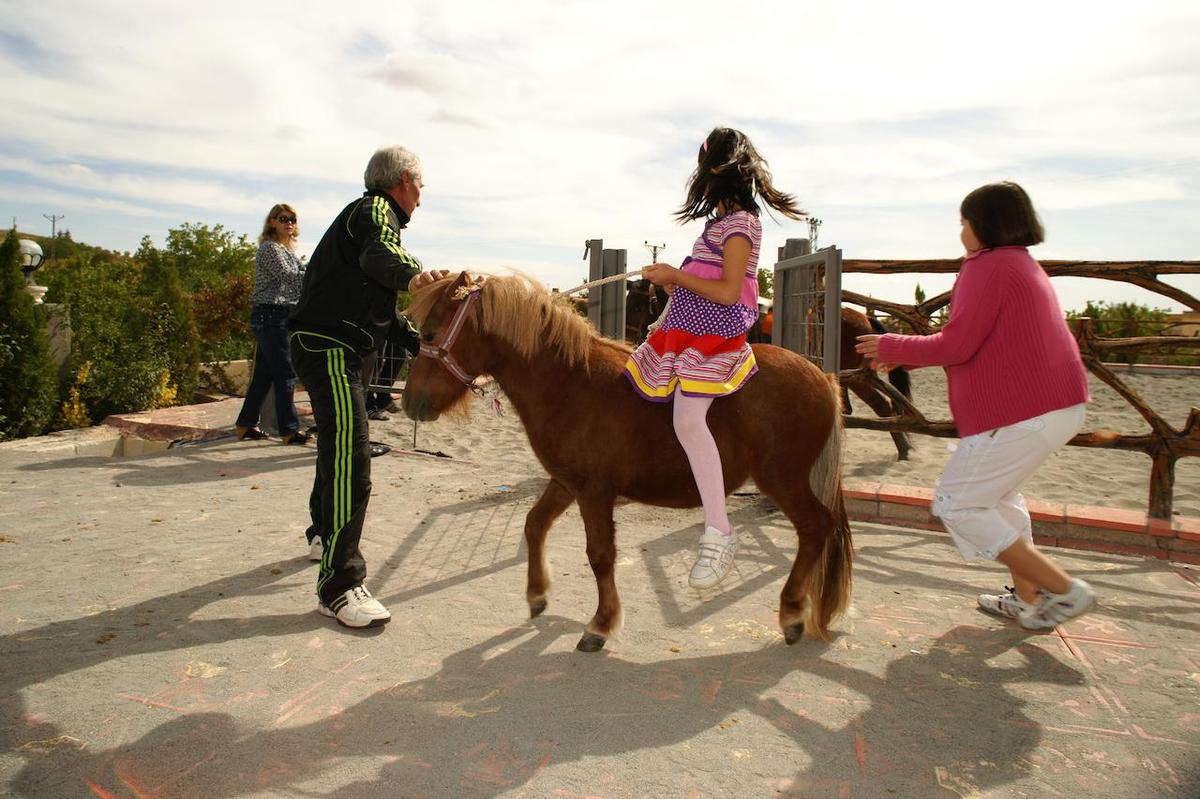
(814, 524)
(554, 500)
(597, 511)
(882, 408)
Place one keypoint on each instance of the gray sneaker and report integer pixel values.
(315, 549)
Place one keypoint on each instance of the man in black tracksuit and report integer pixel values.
(347, 304)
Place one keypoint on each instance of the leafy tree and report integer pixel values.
(28, 386)
(766, 283)
(216, 267)
(171, 326)
(1122, 320)
(203, 255)
(116, 359)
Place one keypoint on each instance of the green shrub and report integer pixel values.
(112, 335)
(28, 386)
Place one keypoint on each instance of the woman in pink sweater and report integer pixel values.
(1018, 391)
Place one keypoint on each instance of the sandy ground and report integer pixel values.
(159, 638)
(1075, 475)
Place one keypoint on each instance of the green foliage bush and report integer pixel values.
(28, 386)
(113, 339)
(1128, 320)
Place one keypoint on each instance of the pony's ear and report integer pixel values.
(463, 279)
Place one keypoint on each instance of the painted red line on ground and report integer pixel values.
(1116, 699)
(860, 752)
(1180, 572)
(1143, 734)
(1079, 729)
(710, 695)
(12, 587)
(150, 702)
(103, 794)
(287, 707)
(1067, 643)
(1089, 639)
(157, 789)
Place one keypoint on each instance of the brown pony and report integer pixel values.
(855, 324)
(567, 384)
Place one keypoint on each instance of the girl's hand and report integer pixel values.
(661, 274)
(868, 347)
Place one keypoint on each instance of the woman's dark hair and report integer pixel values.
(1002, 215)
(731, 171)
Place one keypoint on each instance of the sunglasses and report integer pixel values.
(286, 220)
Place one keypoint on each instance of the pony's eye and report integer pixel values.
(427, 338)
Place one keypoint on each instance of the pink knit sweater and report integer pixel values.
(1007, 350)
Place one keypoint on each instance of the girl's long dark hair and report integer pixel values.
(729, 170)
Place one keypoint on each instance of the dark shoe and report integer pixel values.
(250, 433)
(378, 449)
(393, 407)
(377, 415)
(297, 438)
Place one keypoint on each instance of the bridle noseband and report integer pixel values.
(441, 350)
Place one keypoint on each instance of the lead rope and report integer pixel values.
(623, 276)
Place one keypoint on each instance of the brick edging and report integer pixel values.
(1088, 527)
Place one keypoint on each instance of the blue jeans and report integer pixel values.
(272, 369)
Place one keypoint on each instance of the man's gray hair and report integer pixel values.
(388, 165)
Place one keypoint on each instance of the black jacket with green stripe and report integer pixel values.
(351, 282)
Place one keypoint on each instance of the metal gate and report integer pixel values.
(807, 305)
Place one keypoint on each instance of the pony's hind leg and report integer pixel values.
(597, 511)
(554, 500)
(812, 522)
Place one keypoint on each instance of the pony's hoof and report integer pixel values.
(590, 642)
(793, 633)
(537, 608)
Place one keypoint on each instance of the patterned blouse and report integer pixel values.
(278, 275)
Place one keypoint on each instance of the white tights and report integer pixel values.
(691, 428)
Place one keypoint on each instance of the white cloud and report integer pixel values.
(541, 124)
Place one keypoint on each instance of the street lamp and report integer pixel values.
(31, 259)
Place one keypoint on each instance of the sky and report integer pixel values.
(541, 125)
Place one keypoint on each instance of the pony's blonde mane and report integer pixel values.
(521, 312)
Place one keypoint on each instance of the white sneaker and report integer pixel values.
(1072, 603)
(1011, 606)
(315, 550)
(715, 558)
(356, 608)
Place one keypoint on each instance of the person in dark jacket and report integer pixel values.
(347, 304)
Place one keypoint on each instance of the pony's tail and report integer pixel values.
(828, 584)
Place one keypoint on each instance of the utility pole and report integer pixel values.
(814, 227)
(53, 230)
(654, 248)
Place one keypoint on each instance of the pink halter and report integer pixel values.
(441, 351)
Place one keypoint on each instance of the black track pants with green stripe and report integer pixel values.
(332, 374)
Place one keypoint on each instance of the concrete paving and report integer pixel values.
(158, 638)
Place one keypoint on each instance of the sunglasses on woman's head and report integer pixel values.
(286, 220)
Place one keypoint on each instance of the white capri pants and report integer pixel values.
(977, 496)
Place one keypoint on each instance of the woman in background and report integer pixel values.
(278, 274)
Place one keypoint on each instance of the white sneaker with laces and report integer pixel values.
(315, 550)
(1011, 606)
(356, 608)
(716, 556)
(1072, 603)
